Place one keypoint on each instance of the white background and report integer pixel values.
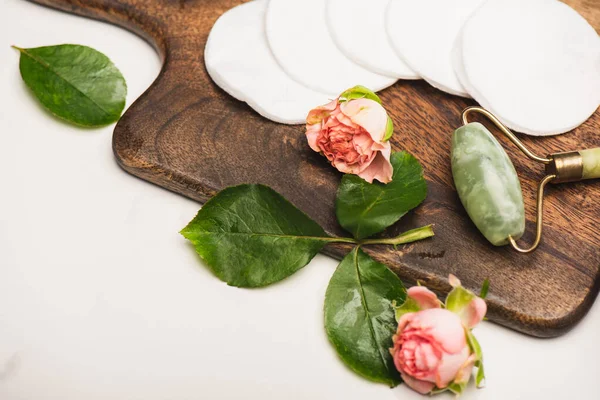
(101, 298)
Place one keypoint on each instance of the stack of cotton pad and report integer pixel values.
(266, 54)
(300, 40)
(534, 63)
(357, 27)
(239, 60)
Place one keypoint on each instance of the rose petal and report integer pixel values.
(474, 312)
(380, 168)
(347, 121)
(454, 281)
(369, 114)
(318, 114)
(404, 321)
(417, 385)
(426, 357)
(443, 326)
(464, 373)
(341, 165)
(449, 367)
(424, 297)
(312, 135)
(363, 145)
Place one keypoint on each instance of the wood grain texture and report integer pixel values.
(187, 135)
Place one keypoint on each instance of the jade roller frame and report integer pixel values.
(569, 166)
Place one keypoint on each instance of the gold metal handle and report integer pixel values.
(539, 219)
(570, 166)
(546, 161)
(505, 130)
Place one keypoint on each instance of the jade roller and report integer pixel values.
(488, 186)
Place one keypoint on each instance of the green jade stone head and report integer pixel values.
(487, 184)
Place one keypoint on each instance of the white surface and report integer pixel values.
(423, 32)
(358, 29)
(547, 79)
(239, 60)
(101, 298)
(300, 40)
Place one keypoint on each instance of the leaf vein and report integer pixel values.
(49, 67)
(363, 299)
(273, 235)
(367, 210)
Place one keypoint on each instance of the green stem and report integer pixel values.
(407, 237)
(340, 240)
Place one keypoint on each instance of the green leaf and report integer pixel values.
(414, 235)
(474, 345)
(359, 317)
(365, 209)
(409, 306)
(389, 130)
(476, 349)
(75, 83)
(480, 377)
(457, 388)
(250, 236)
(458, 299)
(359, 92)
(485, 288)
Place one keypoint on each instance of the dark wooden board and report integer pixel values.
(187, 135)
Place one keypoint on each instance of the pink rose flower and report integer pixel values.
(431, 350)
(474, 311)
(351, 134)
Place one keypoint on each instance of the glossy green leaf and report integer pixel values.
(359, 92)
(359, 316)
(75, 83)
(250, 236)
(365, 209)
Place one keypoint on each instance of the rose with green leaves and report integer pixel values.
(250, 236)
(353, 132)
(434, 349)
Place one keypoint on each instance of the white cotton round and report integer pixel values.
(300, 40)
(358, 29)
(239, 60)
(423, 32)
(535, 64)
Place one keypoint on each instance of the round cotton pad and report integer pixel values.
(239, 60)
(358, 29)
(535, 64)
(301, 43)
(423, 32)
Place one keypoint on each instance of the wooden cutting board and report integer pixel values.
(187, 135)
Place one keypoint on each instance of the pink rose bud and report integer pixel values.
(431, 350)
(434, 349)
(424, 297)
(353, 134)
